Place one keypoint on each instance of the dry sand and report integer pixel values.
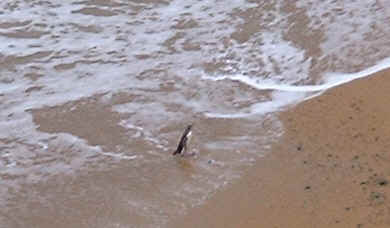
(331, 169)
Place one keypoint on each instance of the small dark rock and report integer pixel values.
(383, 182)
(307, 188)
(377, 197)
(299, 148)
(347, 208)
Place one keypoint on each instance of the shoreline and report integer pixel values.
(330, 169)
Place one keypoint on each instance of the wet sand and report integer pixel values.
(331, 168)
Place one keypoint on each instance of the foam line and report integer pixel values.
(288, 94)
(344, 78)
(332, 80)
(279, 100)
(121, 155)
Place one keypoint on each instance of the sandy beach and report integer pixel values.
(331, 169)
(94, 96)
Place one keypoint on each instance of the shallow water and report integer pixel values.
(94, 95)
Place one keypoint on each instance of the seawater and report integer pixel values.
(95, 94)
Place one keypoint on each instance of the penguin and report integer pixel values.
(184, 141)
